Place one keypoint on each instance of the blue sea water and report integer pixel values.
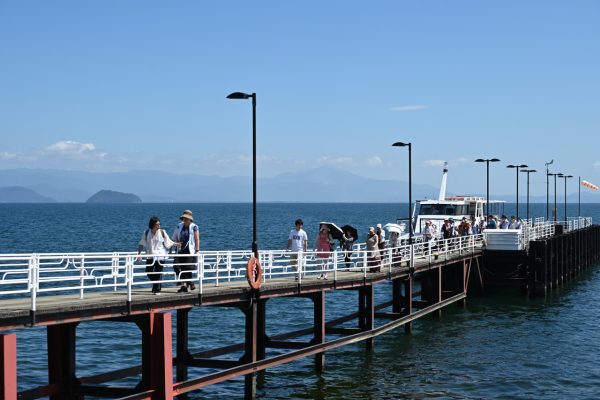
(502, 345)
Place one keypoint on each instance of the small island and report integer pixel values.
(112, 197)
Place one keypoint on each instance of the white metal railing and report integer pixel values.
(539, 229)
(35, 275)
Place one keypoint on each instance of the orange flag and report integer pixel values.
(589, 185)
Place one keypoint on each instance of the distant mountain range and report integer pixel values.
(322, 184)
(19, 194)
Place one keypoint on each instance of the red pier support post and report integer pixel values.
(161, 376)
(408, 299)
(8, 374)
(251, 348)
(61, 362)
(157, 355)
(183, 354)
(319, 327)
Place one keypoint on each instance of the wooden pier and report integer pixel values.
(546, 264)
(434, 283)
(424, 284)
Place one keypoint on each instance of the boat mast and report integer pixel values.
(442, 195)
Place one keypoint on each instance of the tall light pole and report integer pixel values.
(410, 225)
(517, 168)
(565, 178)
(487, 161)
(579, 200)
(528, 171)
(245, 96)
(548, 187)
(554, 210)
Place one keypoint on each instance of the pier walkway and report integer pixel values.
(61, 291)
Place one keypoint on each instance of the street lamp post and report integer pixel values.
(579, 200)
(410, 224)
(528, 171)
(245, 96)
(517, 168)
(487, 161)
(547, 187)
(554, 210)
(565, 178)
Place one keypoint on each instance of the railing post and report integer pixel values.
(81, 276)
(201, 274)
(34, 274)
(228, 266)
(129, 275)
(300, 266)
(335, 262)
(198, 269)
(365, 260)
(115, 270)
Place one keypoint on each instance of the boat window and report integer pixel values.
(426, 209)
(444, 209)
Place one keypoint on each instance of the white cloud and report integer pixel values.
(374, 161)
(462, 160)
(597, 164)
(434, 163)
(69, 147)
(335, 161)
(5, 155)
(410, 107)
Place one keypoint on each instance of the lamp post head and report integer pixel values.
(567, 176)
(528, 170)
(240, 95)
(401, 144)
(487, 160)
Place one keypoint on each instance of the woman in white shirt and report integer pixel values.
(157, 244)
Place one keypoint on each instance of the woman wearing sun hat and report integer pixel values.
(188, 234)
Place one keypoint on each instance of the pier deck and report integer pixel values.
(61, 291)
(61, 308)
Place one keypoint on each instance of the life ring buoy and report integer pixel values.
(254, 273)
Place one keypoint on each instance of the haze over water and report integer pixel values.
(502, 345)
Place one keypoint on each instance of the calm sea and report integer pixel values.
(502, 345)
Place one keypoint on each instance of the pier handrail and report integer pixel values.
(38, 275)
(43, 274)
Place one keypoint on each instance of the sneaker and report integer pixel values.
(324, 276)
(192, 286)
(320, 276)
(182, 289)
(156, 293)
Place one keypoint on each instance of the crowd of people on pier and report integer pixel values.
(186, 241)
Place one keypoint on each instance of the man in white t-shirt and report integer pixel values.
(297, 242)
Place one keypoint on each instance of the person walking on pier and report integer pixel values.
(323, 249)
(373, 251)
(380, 237)
(491, 222)
(504, 222)
(515, 223)
(187, 234)
(347, 246)
(157, 244)
(297, 243)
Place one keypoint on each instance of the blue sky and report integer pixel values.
(121, 85)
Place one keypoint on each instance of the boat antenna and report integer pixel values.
(442, 195)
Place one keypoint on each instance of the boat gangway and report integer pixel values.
(62, 290)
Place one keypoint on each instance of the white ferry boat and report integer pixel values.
(442, 208)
